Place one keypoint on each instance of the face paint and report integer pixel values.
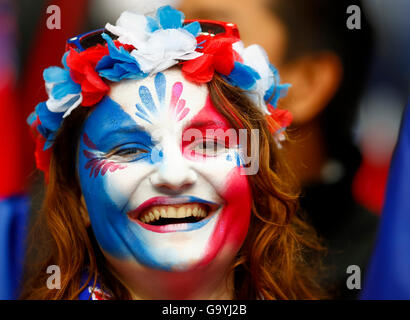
(135, 167)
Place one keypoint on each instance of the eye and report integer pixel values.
(128, 153)
(209, 147)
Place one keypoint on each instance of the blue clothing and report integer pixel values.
(13, 221)
(389, 274)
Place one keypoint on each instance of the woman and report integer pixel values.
(154, 192)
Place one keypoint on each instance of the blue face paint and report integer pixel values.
(121, 167)
(109, 128)
(149, 109)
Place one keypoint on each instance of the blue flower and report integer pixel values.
(277, 90)
(170, 18)
(64, 94)
(50, 122)
(119, 64)
(243, 76)
(60, 81)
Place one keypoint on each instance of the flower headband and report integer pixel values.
(139, 46)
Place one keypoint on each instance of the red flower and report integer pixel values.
(82, 70)
(218, 56)
(42, 156)
(279, 119)
(127, 47)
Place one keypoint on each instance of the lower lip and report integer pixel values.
(176, 227)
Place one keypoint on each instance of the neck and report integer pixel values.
(203, 283)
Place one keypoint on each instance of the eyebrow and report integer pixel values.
(110, 137)
(208, 124)
(125, 129)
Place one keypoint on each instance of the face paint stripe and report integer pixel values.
(238, 159)
(160, 87)
(88, 154)
(141, 109)
(88, 142)
(181, 105)
(105, 168)
(90, 163)
(92, 170)
(142, 116)
(114, 167)
(98, 168)
(183, 114)
(147, 100)
(177, 89)
(97, 165)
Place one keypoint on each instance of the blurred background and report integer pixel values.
(349, 90)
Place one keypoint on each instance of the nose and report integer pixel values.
(174, 175)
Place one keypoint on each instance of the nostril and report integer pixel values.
(166, 188)
(175, 183)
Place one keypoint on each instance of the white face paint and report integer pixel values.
(152, 197)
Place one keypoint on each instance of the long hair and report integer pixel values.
(279, 257)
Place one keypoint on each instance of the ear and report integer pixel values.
(315, 79)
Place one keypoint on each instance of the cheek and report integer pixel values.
(122, 185)
(224, 174)
(238, 196)
(107, 197)
(112, 183)
(232, 226)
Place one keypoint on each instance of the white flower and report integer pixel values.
(66, 104)
(131, 28)
(255, 57)
(71, 97)
(164, 48)
(154, 51)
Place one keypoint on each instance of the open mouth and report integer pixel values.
(171, 212)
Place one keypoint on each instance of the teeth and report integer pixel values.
(195, 212)
(157, 214)
(172, 212)
(181, 212)
(163, 213)
(186, 210)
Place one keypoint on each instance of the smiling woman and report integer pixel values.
(148, 195)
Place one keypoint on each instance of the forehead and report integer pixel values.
(161, 99)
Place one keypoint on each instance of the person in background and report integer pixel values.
(327, 65)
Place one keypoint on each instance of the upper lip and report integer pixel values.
(158, 201)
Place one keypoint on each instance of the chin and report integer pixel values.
(178, 236)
